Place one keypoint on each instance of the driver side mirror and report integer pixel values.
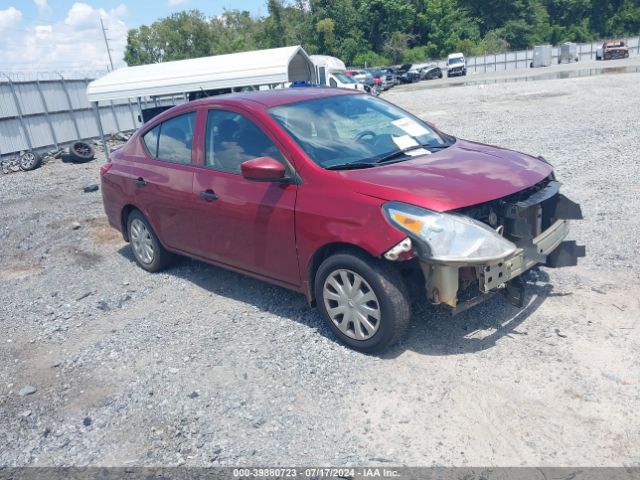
(263, 169)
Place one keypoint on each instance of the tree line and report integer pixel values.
(383, 32)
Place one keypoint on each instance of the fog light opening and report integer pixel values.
(397, 251)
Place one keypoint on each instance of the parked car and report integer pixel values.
(366, 79)
(407, 75)
(335, 193)
(456, 65)
(416, 70)
(430, 72)
(394, 75)
(612, 49)
(382, 78)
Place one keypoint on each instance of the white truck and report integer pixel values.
(456, 65)
(331, 72)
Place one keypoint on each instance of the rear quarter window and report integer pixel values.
(150, 140)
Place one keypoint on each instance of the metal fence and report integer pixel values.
(44, 111)
(522, 59)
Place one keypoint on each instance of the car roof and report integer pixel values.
(277, 97)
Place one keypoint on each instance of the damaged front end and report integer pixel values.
(478, 251)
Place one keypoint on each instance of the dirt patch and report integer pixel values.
(83, 258)
(104, 234)
(20, 271)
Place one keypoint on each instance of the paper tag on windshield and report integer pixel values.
(418, 151)
(410, 127)
(405, 141)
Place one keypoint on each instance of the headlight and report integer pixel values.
(449, 237)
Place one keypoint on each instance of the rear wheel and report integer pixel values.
(363, 301)
(147, 249)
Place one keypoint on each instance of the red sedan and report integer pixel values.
(336, 194)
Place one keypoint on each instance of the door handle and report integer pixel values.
(208, 196)
(139, 182)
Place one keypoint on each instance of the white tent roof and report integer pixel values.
(259, 67)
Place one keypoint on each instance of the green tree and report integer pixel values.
(395, 46)
(415, 55)
(274, 27)
(382, 31)
(378, 19)
(179, 36)
(143, 46)
(444, 26)
(370, 59)
(235, 31)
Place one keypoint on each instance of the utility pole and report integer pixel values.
(106, 42)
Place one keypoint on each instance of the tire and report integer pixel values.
(81, 152)
(30, 161)
(141, 236)
(380, 282)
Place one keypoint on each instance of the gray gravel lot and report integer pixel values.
(201, 366)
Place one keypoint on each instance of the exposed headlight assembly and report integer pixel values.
(448, 238)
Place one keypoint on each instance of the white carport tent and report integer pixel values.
(257, 68)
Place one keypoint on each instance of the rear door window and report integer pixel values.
(172, 140)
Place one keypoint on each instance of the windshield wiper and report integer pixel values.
(350, 166)
(404, 151)
(386, 158)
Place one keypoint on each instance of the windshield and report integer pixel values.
(344, 78)
(456, 60)
(349, 129)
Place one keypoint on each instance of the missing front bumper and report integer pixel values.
(495, 276)
(548, 248)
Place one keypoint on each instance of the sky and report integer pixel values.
(65, 35)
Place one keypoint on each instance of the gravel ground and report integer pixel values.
(200, 366)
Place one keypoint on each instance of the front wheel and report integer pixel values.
(363, 300)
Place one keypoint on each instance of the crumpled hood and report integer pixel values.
(464, 174)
